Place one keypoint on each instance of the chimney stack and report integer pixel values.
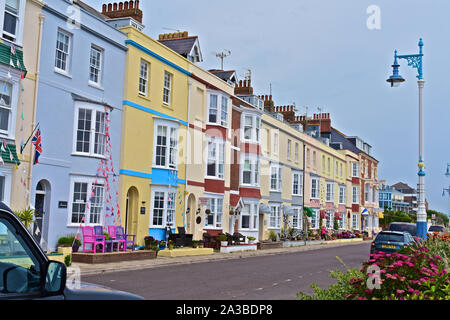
(127, 9)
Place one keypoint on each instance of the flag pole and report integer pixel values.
(23, 147)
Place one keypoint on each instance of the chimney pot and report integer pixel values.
(120, 6)
(270, 97)
(137, 4)
(125, 5)
(115, 6)
(104, 8)
(131, 4)
(109, 7)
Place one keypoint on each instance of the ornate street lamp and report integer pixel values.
(415, 61)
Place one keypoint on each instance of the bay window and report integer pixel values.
(163, 207)
(214, 218)
(275, 216)
(218, 113)
(165, 145)
(215, 158)
(250, 170)
(249, 217)
(315, 219)
(5, 107)
(297, 218)
(251, 127)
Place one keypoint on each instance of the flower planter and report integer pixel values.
(162, 247)
(223, 243)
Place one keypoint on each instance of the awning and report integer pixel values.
(288, 210)
(380, 215)
(9, 154)
(364, 211)
(264, 208)
(309, 212)
(7, 56)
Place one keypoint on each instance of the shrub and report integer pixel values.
(272, 235)
(67, 241)
(403, 277)
(68, 260)
(26, 216)
(337, 291)
(222, 237)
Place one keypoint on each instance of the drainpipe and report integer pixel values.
(33, 123)
(187, 145)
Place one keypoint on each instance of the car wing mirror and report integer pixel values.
(55, 278)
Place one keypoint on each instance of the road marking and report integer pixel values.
(275, 284)
(259, 289)
(288, 280)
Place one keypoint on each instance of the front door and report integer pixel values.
(39, 212)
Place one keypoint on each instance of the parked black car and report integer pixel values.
(403, 226)
(27, 273)
(391, 241)
(438, 229)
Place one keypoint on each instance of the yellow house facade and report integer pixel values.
(154, 127)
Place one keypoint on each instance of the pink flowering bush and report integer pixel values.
(416, 275)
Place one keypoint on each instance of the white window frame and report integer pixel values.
(220, 109)
(10, 133)
(255, 169)
(217, 225)
(170, 128)
(298, 216)
(253, 216)
(100, 65)
(355, 168)
(94, 108)
(167, 89)
(219, 158)
(168, 192)
(275, 169)
(87, 214)
(255, 128)
(19, 22)
(275, 143)
(342, 194)
(68, 54)
(316, 189)
(355, 195)
(355, 221)
(299, 185)
(275, 216)
(6, 171)
(143, 79)
(315, 220)
(329, 194)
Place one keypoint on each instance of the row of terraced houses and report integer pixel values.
(134, 132)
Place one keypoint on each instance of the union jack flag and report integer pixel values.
(38, 147)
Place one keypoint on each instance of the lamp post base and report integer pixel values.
(422, 229)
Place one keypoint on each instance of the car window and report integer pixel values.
(411, 229)
(389, 237)
(17, 262)
(435, 229)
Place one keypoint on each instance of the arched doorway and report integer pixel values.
(131, 215)
(42, 213)
(190, 214)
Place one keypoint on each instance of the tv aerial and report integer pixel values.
(222, 55)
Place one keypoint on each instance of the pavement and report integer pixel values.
(159, 262)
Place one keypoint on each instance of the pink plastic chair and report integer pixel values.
(89, 237)
(113, 235)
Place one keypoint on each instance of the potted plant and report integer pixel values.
(194, 243)
(251, 240)
(223, 240)
(26, 216)
(170, 245)
(162, 245)
(201, 244)
(69, 241)
(272, 235)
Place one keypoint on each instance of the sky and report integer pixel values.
(321, 54)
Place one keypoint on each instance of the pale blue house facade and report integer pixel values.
(79, 110)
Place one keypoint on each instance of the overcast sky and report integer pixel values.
(320, 53)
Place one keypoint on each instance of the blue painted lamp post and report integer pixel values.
(415, 61)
